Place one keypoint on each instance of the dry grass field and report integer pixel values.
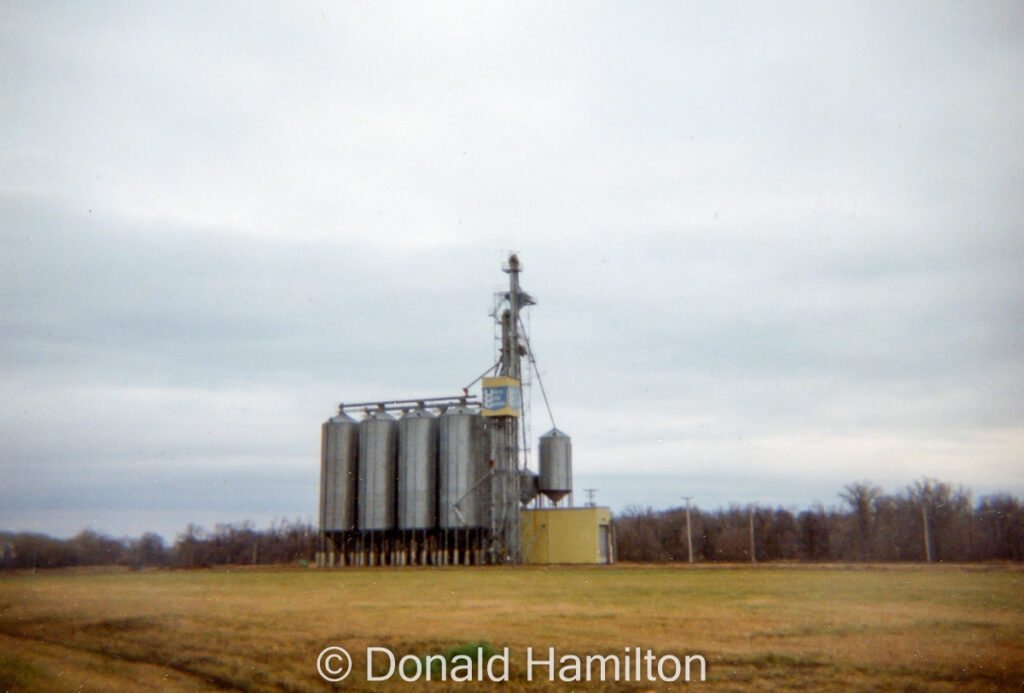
(764, 628)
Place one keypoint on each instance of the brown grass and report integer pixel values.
(764, 628)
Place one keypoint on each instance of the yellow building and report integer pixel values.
(567, 535)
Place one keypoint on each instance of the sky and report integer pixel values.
(775, 249)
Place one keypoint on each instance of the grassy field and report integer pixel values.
(764, 628)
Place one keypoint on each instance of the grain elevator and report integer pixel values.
(445, 480)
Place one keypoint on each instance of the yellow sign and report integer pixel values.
(501, 397)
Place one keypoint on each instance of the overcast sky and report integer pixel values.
(776, 249)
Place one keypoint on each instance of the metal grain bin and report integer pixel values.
(378, 453)
(463, 491)
(527, 486)
(339, 448)
(555, 480)
(417, 470)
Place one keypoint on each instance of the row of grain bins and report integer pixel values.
(409, 482)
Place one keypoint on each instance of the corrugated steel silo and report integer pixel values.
(417, 470)
(378, 453)
(555, 480)
(462, 466)
(339, 448)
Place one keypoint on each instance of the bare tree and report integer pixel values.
(862, 497)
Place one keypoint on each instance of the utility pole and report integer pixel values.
(689, 533)
(753, 559)
(591, 495)
(924, 519)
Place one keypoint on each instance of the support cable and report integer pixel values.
(536, 370)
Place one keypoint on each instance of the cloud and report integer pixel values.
(771, 248)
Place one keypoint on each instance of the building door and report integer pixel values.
(602, 543)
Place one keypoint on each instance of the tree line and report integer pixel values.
(930, 520)
(227, 544)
